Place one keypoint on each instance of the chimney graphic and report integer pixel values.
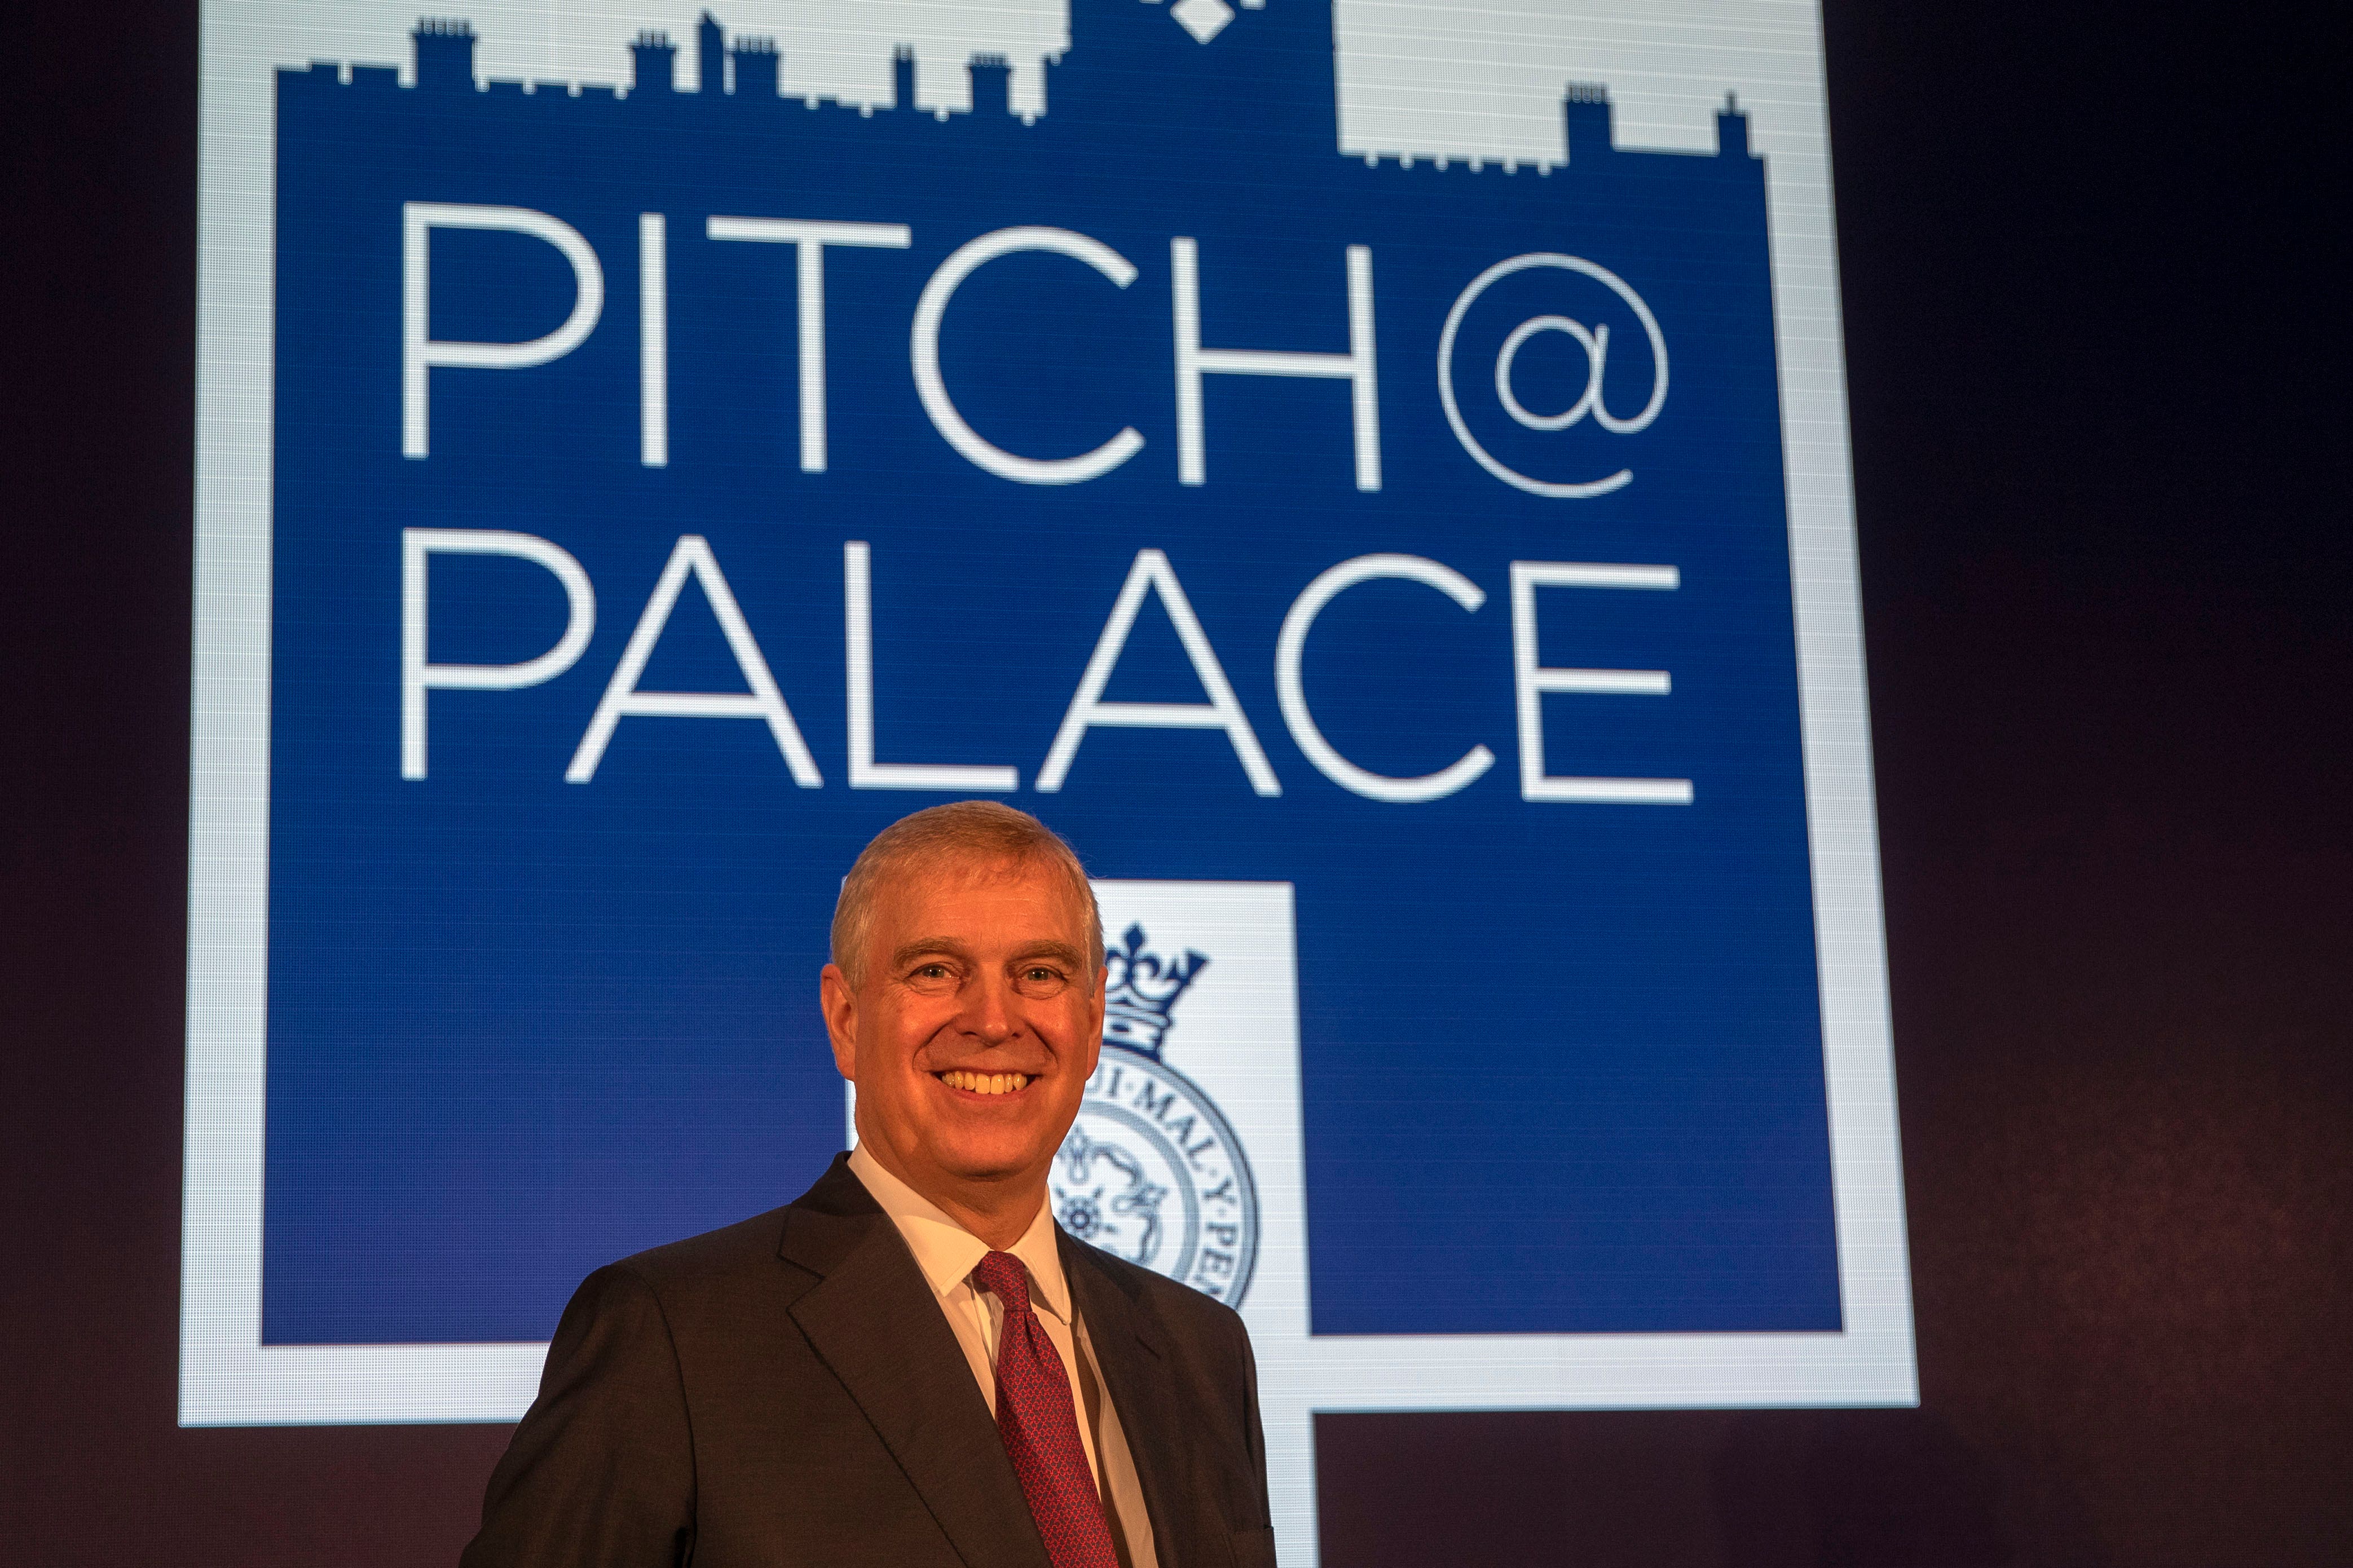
(992, 84)
(758, 66)
(903, 77)
(655, 58)
(1585, 112)
(444, 55)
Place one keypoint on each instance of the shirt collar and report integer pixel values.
(947, 1253)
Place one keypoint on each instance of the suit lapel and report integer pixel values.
(875, 1323)
(1135, 1374)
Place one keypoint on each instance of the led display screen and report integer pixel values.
(1374, 479)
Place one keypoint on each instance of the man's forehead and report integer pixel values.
(954, 876)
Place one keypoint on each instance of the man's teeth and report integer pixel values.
(986, 1082)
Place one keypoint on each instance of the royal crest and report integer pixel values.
(1141, 991)
(1150, 1170)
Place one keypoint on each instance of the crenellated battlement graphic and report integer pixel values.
(1200, 62)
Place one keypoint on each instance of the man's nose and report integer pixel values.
(990, 1010)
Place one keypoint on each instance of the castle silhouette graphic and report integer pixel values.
(1173, 90)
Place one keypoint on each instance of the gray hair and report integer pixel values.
(979, 829)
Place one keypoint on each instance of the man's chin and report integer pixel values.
(990, 1162)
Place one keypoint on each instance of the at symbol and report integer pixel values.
(1595, 344)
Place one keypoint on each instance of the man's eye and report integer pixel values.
(930, 973)
(1041, 979)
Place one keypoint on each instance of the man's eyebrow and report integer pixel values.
(945, 945)
(1062, 950)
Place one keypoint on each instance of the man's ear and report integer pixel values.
(1095, 1019)
(840, 1004)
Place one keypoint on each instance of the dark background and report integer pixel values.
(2092, 282)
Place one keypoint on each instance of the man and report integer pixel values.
(912, 1364)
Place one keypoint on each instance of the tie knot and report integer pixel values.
(1002, 1275)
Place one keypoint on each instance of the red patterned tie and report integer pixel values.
(1035, 1418)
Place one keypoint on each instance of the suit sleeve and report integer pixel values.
(601, 1471)
(1254, 1429)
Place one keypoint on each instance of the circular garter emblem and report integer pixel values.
(1150, 1170)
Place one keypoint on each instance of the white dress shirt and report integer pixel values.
(947, 1254)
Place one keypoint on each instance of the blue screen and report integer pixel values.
(1559, 1030)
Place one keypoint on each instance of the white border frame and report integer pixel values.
(227, 1377)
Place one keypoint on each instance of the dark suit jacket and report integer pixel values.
(788, 1391)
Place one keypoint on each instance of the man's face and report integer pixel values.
(976, 1023)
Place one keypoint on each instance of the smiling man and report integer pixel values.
(910, 1364)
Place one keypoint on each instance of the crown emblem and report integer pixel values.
(1140, 989)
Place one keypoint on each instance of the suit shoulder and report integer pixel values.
(747, 1246)
(1174, 1304)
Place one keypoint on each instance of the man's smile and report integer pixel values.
(985, 1083)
